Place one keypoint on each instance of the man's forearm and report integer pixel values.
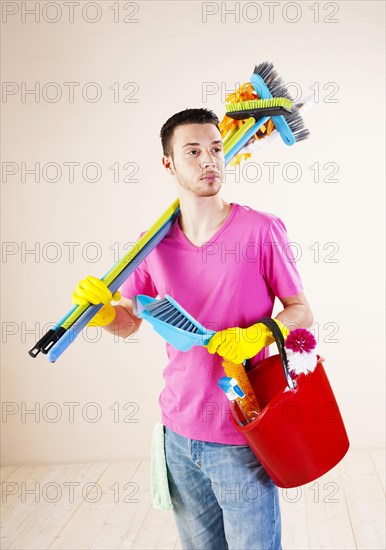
(296, 316)
(123, 325)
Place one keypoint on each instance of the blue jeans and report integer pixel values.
(222, 497)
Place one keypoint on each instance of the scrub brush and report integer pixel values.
(256, 114)
(301, 353)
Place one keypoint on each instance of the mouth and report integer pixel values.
(210, 177)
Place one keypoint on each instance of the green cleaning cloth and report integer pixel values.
(160, 495)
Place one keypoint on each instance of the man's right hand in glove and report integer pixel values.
(94, 291)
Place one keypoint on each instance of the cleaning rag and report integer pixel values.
(160, 495)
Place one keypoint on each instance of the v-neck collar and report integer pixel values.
(223, 226)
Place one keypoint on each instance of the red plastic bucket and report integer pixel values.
(299, 434)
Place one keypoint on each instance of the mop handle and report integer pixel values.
(69, 335)
(245, 138)
(54, 334)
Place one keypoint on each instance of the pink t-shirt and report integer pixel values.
(229, 281)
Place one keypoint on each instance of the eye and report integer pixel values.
(218, 149)
(193, 151)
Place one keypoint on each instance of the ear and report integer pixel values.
(168, 164)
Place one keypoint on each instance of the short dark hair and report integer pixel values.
(188, 116)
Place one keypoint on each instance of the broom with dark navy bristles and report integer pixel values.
(268, 84)
(265, 85)
(182, 331)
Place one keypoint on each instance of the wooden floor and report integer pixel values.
(107, 506)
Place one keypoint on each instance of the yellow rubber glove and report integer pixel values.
(95, 291)
(236, 344)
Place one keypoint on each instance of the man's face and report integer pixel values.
(198, 158)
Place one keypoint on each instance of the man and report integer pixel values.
(224, 263)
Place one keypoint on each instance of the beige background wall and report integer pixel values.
(176, 60)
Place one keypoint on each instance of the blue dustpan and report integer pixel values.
(171, 321)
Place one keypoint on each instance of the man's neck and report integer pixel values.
(201, 217)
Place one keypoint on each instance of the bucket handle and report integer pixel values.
(273, 326)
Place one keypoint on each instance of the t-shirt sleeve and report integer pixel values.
(279, 261)
(139, 282)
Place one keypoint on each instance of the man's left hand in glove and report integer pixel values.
(236, 344)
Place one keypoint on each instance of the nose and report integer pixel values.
(208, 159)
